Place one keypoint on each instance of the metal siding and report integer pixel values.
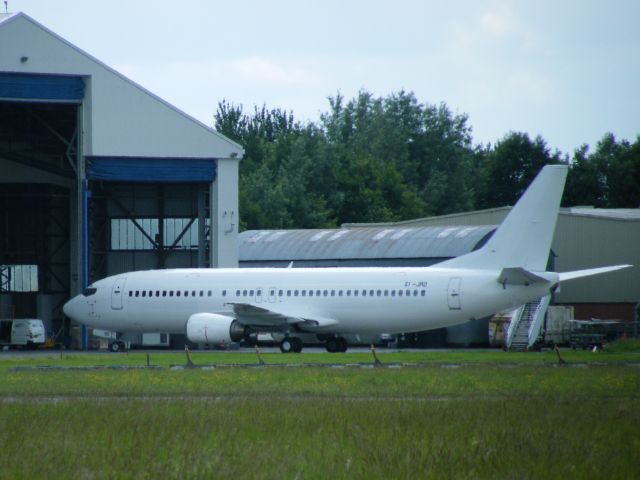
(584, 242)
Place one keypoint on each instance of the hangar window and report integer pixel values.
(18, 278)
(143, 233)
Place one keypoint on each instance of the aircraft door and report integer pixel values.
(453, 293)
(272, 294)
(117, 292)
(259, 295)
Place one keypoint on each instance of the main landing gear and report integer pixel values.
(291, 344)
(336, 344)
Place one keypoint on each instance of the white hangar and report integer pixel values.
(99, 176)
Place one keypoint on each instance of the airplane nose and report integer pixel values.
(72, 308)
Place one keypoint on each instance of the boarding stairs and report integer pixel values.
(526, 323)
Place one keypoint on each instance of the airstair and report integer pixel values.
(525, 324)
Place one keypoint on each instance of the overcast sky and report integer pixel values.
(568, 70)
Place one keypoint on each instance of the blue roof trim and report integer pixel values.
(156, 170)
(22, 86)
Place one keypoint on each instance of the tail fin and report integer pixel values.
(523, 240)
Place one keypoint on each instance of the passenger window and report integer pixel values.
(408, 292)
(415, 293)
(355, 293)
(209, 293)
(339, 293)
(318, 293)
(137, 293)
(379, 292)
(237, 293)
(244, 293)
(348, 293)
(224, 293)
(171, 293)
(311, 293)
(288, 293)
(371, 293)
(333, 293)
(423, 292)
(386, 293)
(364, 293)
(193, 293)
(272, 293)
(295, 293)
(164, 293)
(258, 292)
(393, 293)
(280, 292)
(399, 293)
(202, 293)
(144, 293)
(325, 293)
(130, 293)
(186, 293)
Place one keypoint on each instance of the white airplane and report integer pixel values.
(223, 305)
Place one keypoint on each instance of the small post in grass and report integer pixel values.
(561, 361)
(376, 360)
(190, 364)
(260, 360)
(147, 359)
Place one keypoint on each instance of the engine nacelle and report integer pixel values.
(213, 328)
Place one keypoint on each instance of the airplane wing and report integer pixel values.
(263, 317)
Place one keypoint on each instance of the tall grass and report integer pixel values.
(520, 437)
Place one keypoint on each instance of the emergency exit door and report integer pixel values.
(117, 293)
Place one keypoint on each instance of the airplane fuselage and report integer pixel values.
(353, 300)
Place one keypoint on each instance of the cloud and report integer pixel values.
(264, 70)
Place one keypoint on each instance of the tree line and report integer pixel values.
(381, 159)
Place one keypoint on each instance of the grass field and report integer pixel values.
(447, 415)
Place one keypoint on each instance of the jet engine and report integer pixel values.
(213, 328)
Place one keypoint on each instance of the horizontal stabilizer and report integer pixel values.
(591, 271)
(519, 276)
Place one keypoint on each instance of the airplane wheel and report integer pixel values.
(332, 345)
(296, 344)
(114, 346)
(342, 344)
(286, 345)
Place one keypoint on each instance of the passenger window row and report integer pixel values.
(282, 293)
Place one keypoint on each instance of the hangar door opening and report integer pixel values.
(38, 154)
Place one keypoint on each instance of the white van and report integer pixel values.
(25, 332)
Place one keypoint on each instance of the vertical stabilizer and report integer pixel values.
(524, 237)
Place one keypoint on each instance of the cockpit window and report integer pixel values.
(89, 291)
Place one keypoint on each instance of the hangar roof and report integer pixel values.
(361, 243)
(121, 118)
